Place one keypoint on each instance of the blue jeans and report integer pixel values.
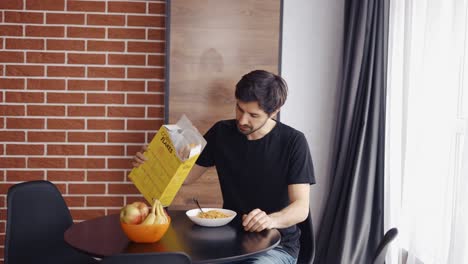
(274, 256)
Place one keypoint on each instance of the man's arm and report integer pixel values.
(296, 212)
(195, 173)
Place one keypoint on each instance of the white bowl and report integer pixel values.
(193, 215)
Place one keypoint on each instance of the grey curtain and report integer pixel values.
(352, 224)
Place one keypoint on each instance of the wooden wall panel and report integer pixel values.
(212, 43)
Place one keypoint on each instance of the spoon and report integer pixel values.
(196, 201)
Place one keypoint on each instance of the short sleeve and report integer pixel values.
(301, 169)
(206, 158)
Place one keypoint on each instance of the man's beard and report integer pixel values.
(250, 128)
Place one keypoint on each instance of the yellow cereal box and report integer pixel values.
(168, 164)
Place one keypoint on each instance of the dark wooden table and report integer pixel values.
(103, 236)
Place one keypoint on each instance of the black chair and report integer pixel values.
(381, 252)
(37, 218)
(149, 258)
(307, 250)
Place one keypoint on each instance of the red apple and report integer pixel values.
(144, 210)
(130, 214)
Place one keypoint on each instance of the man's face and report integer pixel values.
(250, 117)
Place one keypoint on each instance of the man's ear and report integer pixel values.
(273, 115)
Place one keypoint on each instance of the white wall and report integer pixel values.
(311, 57)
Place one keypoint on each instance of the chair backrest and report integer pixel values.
(149, 258)
(381, 252)
(307, 250)
(37, 217)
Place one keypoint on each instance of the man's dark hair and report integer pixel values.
(266, 88)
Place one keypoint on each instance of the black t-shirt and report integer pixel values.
(256, 173)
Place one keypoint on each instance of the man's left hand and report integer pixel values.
(257, 221)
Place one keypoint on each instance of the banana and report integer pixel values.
(151, 218)
(161, 217)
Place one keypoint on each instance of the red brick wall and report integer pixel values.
(81, 90)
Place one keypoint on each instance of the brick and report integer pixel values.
(104, 201)
(156, 34)
(65, 149)
(24, 44)
(46, 136)
(126, 137)
(147, 124)
(146, 73)
(125, 188)
(11, 30)
(126, 33)
(146, 21)
(24, 97)
(83, 163)
(113, 163)
(86, 6)
(86, 214)
(156, 60)
(67, 175)
(132, 150)
(147, 99)
(106, 72)
(48, 5)
(24, 175)
(59, 44)
(25, 123)
(87, 188)
(66, 97)
(65, 18)
(106, 98)
(11, 4)
(7, 83)
(46, 84)
(45, 31)
(146, 47)
(157, 8)
(95, 45)
(24, 149)
(45, 57)
(117, 111)
(46, 110)
(86, 110)
(86, 32)
(100, 124)
(125, 59)
(89, 58)
(24, 17)
(65, 123)
(105, 20)
(46, 162)
(89, 85)
(12, 162)
(126, 85)
(126, 7)
(107, 150)
(156, 112)
(12, 136)
(86, 136)
(74, 201)
(11, 56)
(24, 70)
(106, 175)
(12, 110)
(155, 86)
(65, 71)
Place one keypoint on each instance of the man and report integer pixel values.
(264, 167)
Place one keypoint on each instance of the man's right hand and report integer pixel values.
(139, 157)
